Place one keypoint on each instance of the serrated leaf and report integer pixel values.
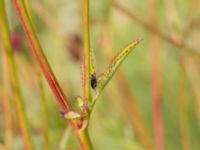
(105, 77)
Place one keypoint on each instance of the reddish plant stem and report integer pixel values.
(156, 81)
(37, 50)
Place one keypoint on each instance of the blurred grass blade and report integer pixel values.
(158, 124)
(44, 108)
(183, 107)
(64, 142)
(104, 78)
(6, 105)
(5, 35)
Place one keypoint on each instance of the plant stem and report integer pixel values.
(41, 90)
(156, 81)
(44, 14)
(37, 50)
(183, 108)
(6, 105)
(86, 31)
(83, 133)
(44, 110)
(84, 139)
(65, 138)
(12, 66)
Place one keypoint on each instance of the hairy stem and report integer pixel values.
(37, 50)
(83, 134)
(87, 63)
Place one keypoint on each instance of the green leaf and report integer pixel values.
(105, 77)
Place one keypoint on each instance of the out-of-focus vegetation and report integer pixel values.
(153, 102)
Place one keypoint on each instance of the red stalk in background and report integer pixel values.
(156, 82)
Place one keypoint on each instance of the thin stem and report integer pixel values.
(83, 133)
(84, 139)
(12, 66)
(44, 110)
(65, 138)
(86, 68)
(48, 19)
(191, 69)
(156, 81)
(28, 8)
(6, 105)
(37, 50)
(41, 90)
(183, 109)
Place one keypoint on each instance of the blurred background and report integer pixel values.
(152, 102)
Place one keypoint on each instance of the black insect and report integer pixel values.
(93, 81)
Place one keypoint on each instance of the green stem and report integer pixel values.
(12, 66)
(44, 110)
(84, 139)
(6, 104)
(41, 90)
(83, 134)
(87, 60)
(37, 49)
